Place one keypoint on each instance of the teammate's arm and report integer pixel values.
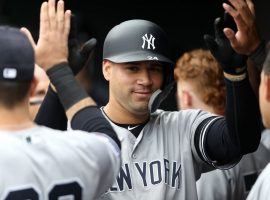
(52, 53)
(221, 141)
(54, 31)
(51, 112)
(247, 41)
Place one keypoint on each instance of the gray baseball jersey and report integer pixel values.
(161, 163)
(235, 183)
(42, 163)
(261, 189)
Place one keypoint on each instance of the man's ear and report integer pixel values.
(33, 87)
(106, 69)
(187, 99)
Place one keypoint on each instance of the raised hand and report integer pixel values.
(52, 45)
(232, 62)
(246, 38)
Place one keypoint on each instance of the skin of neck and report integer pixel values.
(191, 100)
(15, 118)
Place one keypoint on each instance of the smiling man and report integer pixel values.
(162, 153)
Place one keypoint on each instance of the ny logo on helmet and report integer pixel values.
(149, 40)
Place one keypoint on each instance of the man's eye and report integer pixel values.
(156, 69)
(133, 68)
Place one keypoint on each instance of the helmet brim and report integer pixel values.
(139, 56)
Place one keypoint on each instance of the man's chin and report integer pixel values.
(141, 109)
(266, 123)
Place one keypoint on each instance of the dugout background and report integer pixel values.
(184, 21)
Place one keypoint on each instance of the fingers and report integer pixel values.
(243, 9)
(52, 14)
(251, 7)
(67, 24)
(230, 34)
(240, 23)
(218, 28)
(60, 15)
(54, 19)
(44, 19)
(29, 36)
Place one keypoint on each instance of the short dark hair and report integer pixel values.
(12, 93)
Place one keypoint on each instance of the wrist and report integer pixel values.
(68, 90)
(52, 63)
(255, 46)
(235, 78)
(258, 55)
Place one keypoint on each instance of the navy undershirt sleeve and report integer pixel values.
(91, 119)
(51, 112)
(238, 133)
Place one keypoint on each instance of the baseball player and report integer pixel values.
(163, 153)
(238, 181)
(200, 82)
(200, 85)
(262, 187)
(198, 79)
(39, 162)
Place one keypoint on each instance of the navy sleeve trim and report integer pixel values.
(91, 119)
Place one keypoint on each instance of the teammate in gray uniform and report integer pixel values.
(38, 162)
(237, 182)
(261, 189)
(163, 153)
(200, 85)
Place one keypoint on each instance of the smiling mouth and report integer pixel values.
(143, 95)
(143, 92)
(137, 92)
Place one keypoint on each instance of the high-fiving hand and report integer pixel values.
(52, 45)
(246, 38)
(231, 62)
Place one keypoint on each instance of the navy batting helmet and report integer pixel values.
(138, 40)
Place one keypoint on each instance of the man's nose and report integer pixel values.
(145, 78)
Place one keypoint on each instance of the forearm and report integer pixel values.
(81, 110)
(239, 133)
(243, 115)
(51, 112)
(72, 96)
